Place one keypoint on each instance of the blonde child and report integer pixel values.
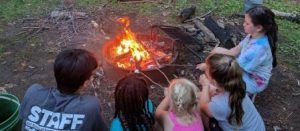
(178, 110)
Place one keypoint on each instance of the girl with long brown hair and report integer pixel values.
(256, 53)
(230, 106)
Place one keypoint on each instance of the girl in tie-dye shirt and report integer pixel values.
(256, 53)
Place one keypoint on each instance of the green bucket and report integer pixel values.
(9, 111)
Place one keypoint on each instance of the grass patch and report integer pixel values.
(11, 9)
(142, 8)
(289, 32)
(290, 43)
(91, 3)
(224, 7)
(283, 5)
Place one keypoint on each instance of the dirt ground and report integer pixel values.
(31, 44)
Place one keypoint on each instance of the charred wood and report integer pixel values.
(220, 33)
(210, 37)
(187, 13)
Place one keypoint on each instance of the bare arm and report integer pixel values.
(201, 66)
(204, 98)
(162, 110)
(232, 52)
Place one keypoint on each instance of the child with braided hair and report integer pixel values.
(178, 110)
(134, 111)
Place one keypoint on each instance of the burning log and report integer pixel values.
(122, 56)
(129, 51)
(219, 32)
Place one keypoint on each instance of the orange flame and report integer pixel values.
(129, 44)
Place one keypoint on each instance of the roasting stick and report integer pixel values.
(178, 65)
(163, 74)
(136, 70)
(151, 80)
(157, 65)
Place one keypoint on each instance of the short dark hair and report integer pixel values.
(72, 68)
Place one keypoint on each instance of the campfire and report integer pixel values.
(130, 51)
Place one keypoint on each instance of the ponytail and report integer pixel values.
(263, 16)
(236, 89)
(228, 74)
(271, 32)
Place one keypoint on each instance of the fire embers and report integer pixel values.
(130, 51)
(130, 45)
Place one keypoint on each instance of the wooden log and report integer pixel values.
(208, 34)
(288, 16)
(67, 14)
(186, 13)
(202, 16)
(219, 32)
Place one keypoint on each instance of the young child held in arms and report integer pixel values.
(256, 54)
(230, 106)
(134, 111)
(179, 111)
(64, 107)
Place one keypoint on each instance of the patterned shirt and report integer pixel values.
(256, 60)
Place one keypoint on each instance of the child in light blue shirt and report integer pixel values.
(256, 60)
(230, 106)
(256, 54)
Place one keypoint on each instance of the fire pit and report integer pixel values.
(128, 51)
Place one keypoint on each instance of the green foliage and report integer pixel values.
(146, 8)
(284, 5)
(224, 7)
(290, 41)
(289, 32)
(141, 8)
(91, 3)
(11, 9)
(181, 4)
